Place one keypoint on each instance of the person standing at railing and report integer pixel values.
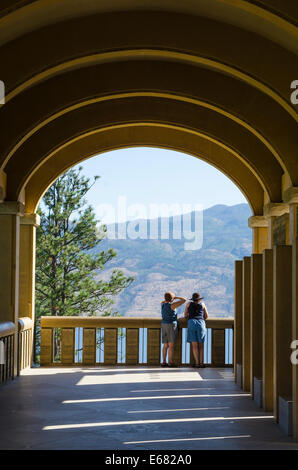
(197, 314)
(169, 326)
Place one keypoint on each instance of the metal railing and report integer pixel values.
(69, 341)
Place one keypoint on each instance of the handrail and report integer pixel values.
(129, 340)
(25, 323)
(122, 322)
(7, 328)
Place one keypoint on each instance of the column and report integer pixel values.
(256, 327)
(27, 267)
(27, 264)
(259, 226)
(282, 334)
(238, 323)
(291, 198)
(295, 337)
(278, 223)
(246, 325)
(10, 213)
(267, 331)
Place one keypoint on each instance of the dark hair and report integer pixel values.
(196, 296)
(169, 296)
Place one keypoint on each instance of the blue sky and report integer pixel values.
(146, 176)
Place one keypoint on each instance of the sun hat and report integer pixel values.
(196, 296)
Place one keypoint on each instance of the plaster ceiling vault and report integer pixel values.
(210, 78)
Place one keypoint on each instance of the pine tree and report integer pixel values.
(67, 258)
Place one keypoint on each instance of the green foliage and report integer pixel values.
(68, 258)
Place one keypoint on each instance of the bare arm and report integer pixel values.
(205, 312)
(181, 301)
(186, 310)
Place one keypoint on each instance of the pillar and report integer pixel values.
(246, 325)
(282, 333)
(27, 267)
(290, 197)
(295, 336)
(10, 214)
(238, 323)
(256, 327)
(259, 226)
(278, 230)
(267, 331)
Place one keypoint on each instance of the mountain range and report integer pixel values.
(160, 265)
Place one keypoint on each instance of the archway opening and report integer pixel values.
(176, 223)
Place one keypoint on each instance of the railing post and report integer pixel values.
(238, 323)
(267, 331)
(89, 346)
(67, 346)
(256, 327)
(46, 346)
(110, 345)
(153, 348)
(218, 347)
(132, 346)
(295, 337)
(177, 359)
(246, 326)
(282, 328)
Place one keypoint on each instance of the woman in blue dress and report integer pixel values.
(196, 313)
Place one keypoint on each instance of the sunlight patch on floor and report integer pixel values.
(140, 378)
(172, 389)
(167, 397)
(152, 421)
(182, 409)
(189, 439)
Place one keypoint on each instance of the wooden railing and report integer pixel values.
(7, 335)
(69, 341)
(25, 343)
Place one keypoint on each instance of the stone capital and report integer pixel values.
(12, 208)
(31, 219)
(257, 221)
(276, 209)
(291, 195)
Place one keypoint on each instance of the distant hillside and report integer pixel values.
(162, 265)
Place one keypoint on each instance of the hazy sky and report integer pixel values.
(145, 176)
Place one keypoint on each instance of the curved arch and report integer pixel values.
(145, 109)
(138, 109)
(194, 38)
(150, 54)
(257, 18)
(64, 94)
(175, 138)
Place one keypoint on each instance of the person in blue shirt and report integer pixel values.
(169, 326)
(197, 314)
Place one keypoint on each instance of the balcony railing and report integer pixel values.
(70, 341)
(25, 343)
(7, 338)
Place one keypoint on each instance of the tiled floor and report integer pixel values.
(133, 408)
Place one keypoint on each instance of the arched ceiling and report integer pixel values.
(274, 19)
(98, 141)
(218, 70)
